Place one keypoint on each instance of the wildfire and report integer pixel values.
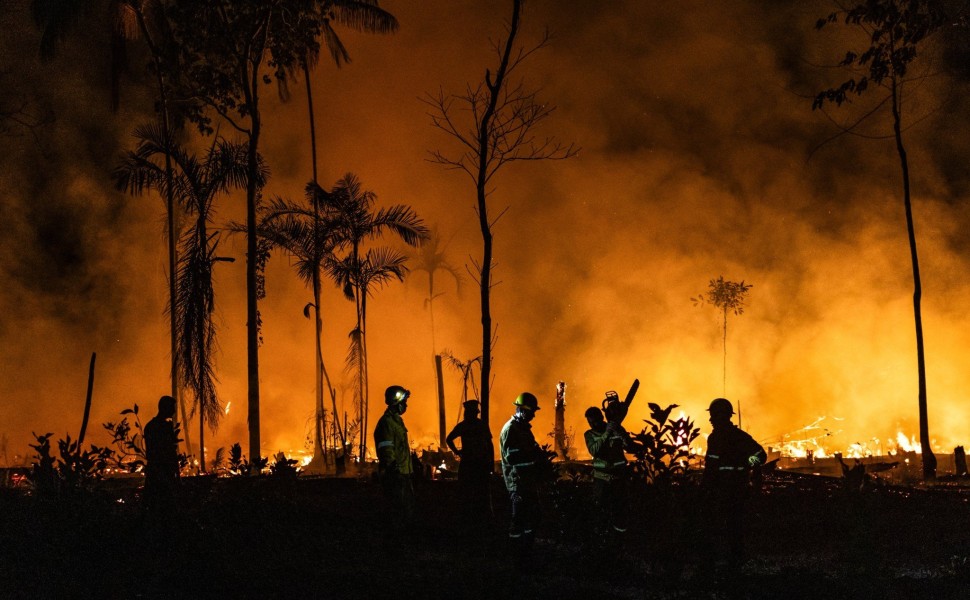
(809, 442)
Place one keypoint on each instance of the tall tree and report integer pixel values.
(195, 184)
(895, 30)
(360, 15)
(305, 232)
(503, 117)
(727, 296)
(231, 49)
(358, 272)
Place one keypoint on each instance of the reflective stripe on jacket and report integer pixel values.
(520, 451)
(606, 448)
(731, 454)
(391, 442)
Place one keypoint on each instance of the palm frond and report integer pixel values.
(363, 16)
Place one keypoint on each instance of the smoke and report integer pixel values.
(698, 160)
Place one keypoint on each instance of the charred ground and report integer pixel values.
(808, 537)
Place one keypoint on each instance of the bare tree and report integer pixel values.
(494, 124)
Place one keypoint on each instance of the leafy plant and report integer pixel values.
(283, 467)
(663, 447)
(240, 465)
(73, 470)
(129, 441)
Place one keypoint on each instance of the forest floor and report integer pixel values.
(332, 538)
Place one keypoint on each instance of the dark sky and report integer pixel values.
(699, 159)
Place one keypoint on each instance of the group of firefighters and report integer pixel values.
(732, 456)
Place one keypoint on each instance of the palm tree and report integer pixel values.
(354, 222)
(430, 257)
(302, 231)
(130, 19)
(358, 276)
(195, 184)
(360, 15)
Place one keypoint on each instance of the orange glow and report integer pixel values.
(695, 137)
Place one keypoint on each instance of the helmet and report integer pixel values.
(721, 406)
(527, 400)
(395, 394)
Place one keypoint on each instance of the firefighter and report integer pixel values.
(732, 457)
(606, 442)
(395, 468)
(477, 456)
(521, 461)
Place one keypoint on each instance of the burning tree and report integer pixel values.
(894, 30)
(727, 296)
(559, 431)
(503, 117)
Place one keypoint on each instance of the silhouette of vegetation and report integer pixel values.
(128, 440)
(895, 32)
(194, 183)
(358, 272)
(73, 470)
(302, 232)
(283, 467)
(467, 370)
(503, 117)
(231, 50)
(663, 448)
(727, 296)
(430, 258)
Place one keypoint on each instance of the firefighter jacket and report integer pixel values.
(391, 440)
(606, 448)
(731, 454)
(521, 454)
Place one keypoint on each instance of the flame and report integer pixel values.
(908, 444)
(228, 404)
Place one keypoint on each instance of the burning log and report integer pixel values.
(559, 429)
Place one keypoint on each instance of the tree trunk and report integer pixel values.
(724, 367)
(252, 312)
(365, 379)
(201, 440)
(441, 403)
(484, 153)
(87, 401)
(559, 428)
(929, 459)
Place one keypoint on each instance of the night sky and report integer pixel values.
(700, 157)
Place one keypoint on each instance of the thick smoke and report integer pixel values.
(699, 159)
